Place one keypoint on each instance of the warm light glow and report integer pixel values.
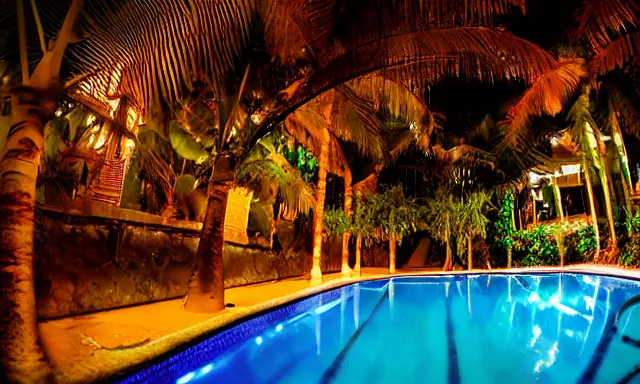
(132, 119)
(114, 82)
(617, 139)
(113, 104)
(535, 177)
(100, 141)
(592, 138)
(571, 169)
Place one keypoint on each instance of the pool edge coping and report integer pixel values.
(116, 363)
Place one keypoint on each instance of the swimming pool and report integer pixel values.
(511, 328)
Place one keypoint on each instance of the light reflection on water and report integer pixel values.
(502, 328)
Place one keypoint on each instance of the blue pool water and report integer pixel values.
(541, 328)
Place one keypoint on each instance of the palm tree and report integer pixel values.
(472, 221)
(32, 104)
(336, 115)
(394, 216)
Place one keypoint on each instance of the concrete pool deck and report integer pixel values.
(96, 346)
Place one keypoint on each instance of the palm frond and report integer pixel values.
(293, 25)
(601, 21)
(396, 97)
(306, 125)
(367, 19)
(353, 119)
(414, 58)
(618, 53)
(547, 95)
(580, 116)
(154, 50)
(628, 110)
(296, 194)
(458, 153)
(367, 187)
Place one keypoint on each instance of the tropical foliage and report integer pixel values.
(630, 242)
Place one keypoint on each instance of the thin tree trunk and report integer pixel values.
(348, 210)
(592, 204)
(560, 241)
(607, 202)
(32, 105)
(535, 213)
(470, 250)
(558, 196)
(358, 266)
(513, 223)
(623, 157)
(392, 254)
(448, 261)
(318, 214)
(206, 283)
(513, 212)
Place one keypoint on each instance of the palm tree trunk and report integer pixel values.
(357, 267)
(318, 214)
(348, 210)
(392, 254)
(470, 250)
(21, 356)
(558, 196)
(206, 283)
(448, 261)
(535, 213)
(509, 256)
(606, 188)
(32, 105)
(592, 204)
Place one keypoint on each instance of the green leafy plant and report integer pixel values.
(629, 255)
(393, 213)
(336, 222)
(504, 230)
(536, 247)
(580, 245)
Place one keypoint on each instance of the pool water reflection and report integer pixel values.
(437, 329)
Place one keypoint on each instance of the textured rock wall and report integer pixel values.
(86, 264)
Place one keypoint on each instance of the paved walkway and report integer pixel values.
(90, 347)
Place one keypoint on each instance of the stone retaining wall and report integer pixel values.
(86, 263)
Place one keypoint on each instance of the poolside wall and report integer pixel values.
(107, 258)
